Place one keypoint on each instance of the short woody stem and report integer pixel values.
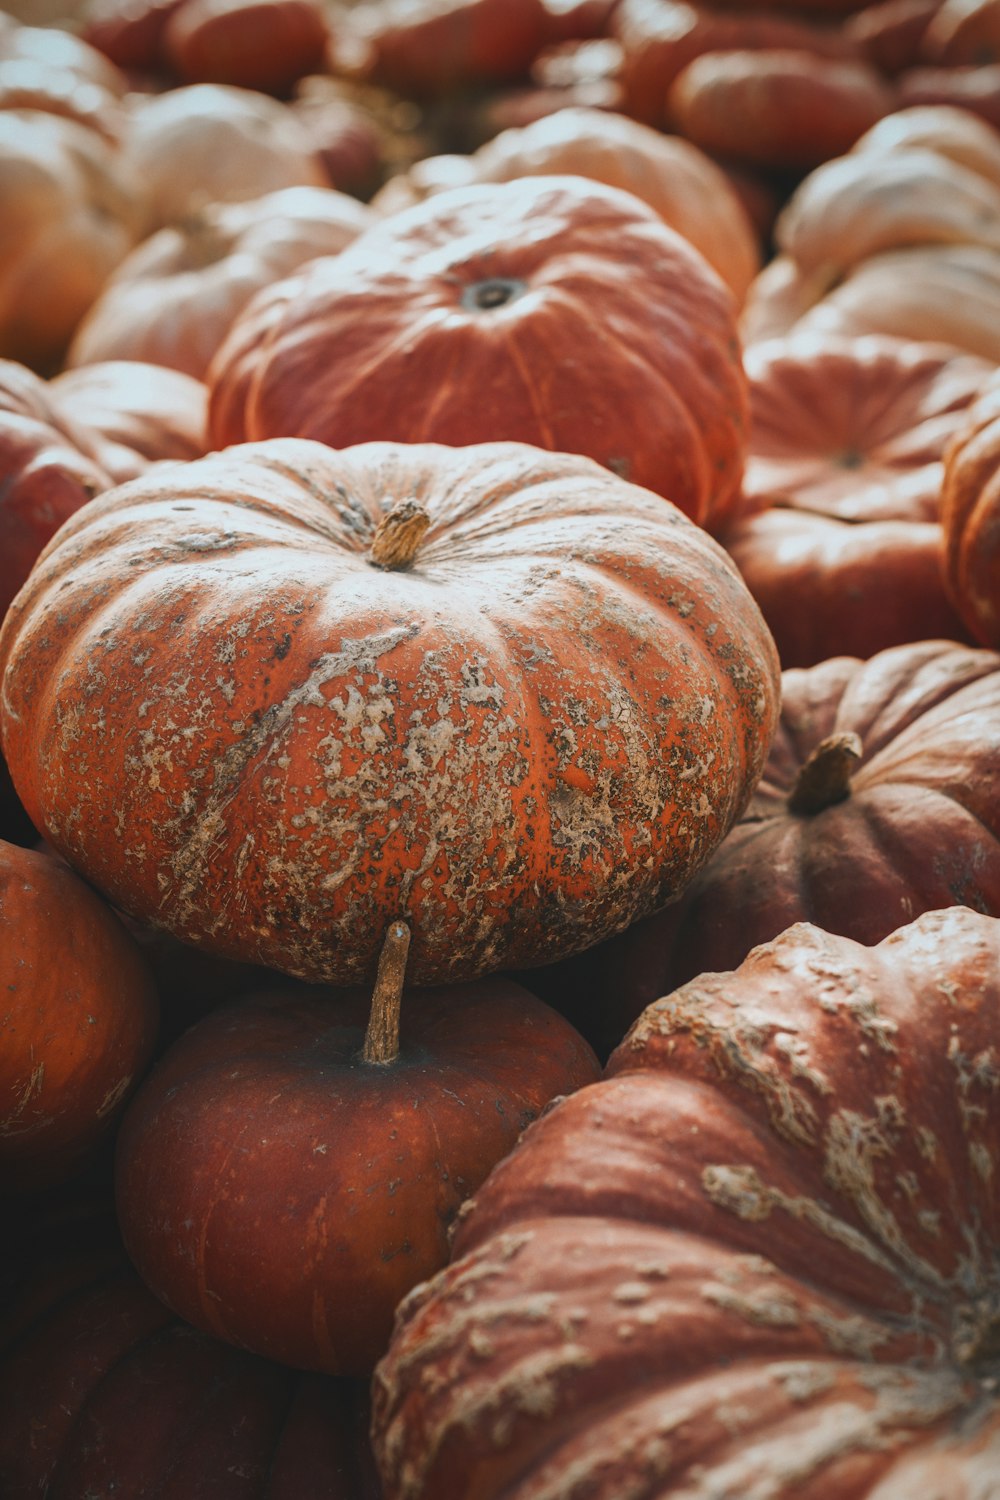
(398, 535)
(382, 1037)
(825, 779)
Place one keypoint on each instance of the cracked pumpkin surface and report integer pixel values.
(759, 1259)
(260, 702)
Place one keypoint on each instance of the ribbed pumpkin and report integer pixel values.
(253, 700)
(759, 1259)
(842, 541)
(551, 310)
(878, 802)
(971, 518)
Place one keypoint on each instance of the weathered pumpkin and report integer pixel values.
(550, 310)
(878, 802)
(971, 518)
(300, 718)
(760, 1258)
(79, 1018)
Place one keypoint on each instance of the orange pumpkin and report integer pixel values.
(971, 518)
(550, 310)
(302, 716)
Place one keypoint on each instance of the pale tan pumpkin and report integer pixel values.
(173, 299)
(70, 212)
(213, 143)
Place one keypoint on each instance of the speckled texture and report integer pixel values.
(243, 731)
(759, 1261)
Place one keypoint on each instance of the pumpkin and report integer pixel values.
(659, 38)
(757, 1259)
(254, 44)
(963, 33)
(214, 143)
(173, 299)
(57, 50)
(135, 414)
(496, 692)
(79, 1016)
(50, 466)
(975, 89)
(28, 84)
(971, 518)
(120, 1397)
(841, 544)
(688, 191)
(945, 294)
(889, 32)
(877, 803)
(953, 133)
(129, 32)
(288, 1172)
(775, 108)
(71, 211)
(567, 307)
(429, 48)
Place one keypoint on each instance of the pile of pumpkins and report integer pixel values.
(500, 727)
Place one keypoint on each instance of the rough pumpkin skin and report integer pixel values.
(236, 724)
(759, 1259)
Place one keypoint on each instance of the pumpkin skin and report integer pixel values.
(903, 822)
(79, 1018)
(841, 544)
(283, 1194)
(971, 518)
(120, 1397)
(759, 1258)
(566, 306)
(427, 48)
(523, 820)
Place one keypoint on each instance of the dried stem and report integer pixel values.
(382, 1037)
(398, 535)
(825, 779)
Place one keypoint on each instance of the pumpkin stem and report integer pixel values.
(398, 535)
(382, 1037)
(825, 779)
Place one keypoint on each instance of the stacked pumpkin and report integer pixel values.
(380, 647)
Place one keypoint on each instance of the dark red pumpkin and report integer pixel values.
(254, 44)
(520, 729)
(104, 1392)
(758, 1259)
(284, 1176)
(79, 1019)
(555, 311)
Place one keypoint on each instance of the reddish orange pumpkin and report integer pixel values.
(284, 1177)
(971, 518)
(842, 541)
(759, 1258)
(79, 1018)
(551, 310)
(303, 717)
(255, 44)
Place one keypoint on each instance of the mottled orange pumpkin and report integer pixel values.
(255, 703)
(758, 1259)
(554, 311)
